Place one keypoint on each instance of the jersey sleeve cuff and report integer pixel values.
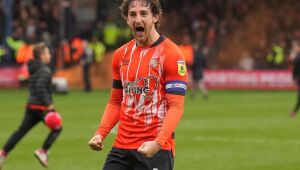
(160, 142)
(162, 138)
(99, 132)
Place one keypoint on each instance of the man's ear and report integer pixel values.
(155, 18)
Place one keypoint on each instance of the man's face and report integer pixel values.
(141, 20)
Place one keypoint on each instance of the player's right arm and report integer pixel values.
(112, 110)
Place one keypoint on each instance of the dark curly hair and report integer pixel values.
(155, 8)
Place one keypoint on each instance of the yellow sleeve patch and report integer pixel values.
(181, 68)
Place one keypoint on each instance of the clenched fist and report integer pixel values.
(96, 143)
(149, 148)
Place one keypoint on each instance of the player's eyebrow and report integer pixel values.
(144, 12)
(132, 12)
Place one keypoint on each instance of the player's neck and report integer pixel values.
(153, 36)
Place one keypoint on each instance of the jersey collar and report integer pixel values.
(158, 41)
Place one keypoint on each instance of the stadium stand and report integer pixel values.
(232, 31)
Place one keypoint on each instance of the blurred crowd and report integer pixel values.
(236, 34)
(239, 34)
(204, 24)
(262, 40)
(50, 21)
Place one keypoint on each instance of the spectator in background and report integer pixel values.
(246, 62)
(39, 106)
(296, 73)
(25, 53)
(110, 33)
(15, 41)
(69, 19)
(63, 57)
(86, 60)
(276, 57)
(98, 48)
(33, 19)
(76, 50)
(199, 64)
(187, 49)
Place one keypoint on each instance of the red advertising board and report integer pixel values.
(214, 79)
(9, 77)
(256, 79)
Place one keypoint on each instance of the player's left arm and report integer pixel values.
(176, 77)
(173, 116)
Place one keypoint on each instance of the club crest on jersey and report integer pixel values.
(181, 67)
(145, 86)
(153, 62)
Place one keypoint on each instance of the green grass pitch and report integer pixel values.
(232, 130)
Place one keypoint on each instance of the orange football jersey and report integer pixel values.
(146, 74)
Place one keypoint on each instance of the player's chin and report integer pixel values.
(139, 38)
(139, 35)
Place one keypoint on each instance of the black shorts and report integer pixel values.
(130, 159)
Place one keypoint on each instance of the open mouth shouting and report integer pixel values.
(139, 30)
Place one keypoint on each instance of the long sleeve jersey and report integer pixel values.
(147, 98)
